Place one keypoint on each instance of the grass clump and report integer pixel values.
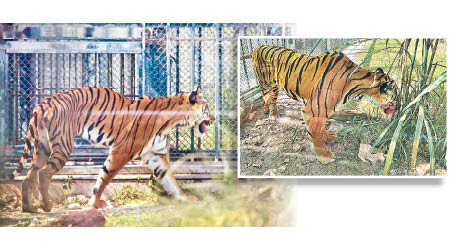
(134, 193)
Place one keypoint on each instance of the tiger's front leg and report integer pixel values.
(113, 164)
(161, 169)
(320, 137)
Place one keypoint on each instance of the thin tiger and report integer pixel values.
(324, 82)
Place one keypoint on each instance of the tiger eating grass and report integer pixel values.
(324, 82)
(129, 128)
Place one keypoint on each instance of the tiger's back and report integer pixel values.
(298, 74)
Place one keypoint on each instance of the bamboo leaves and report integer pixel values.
(430, 145)
(417, 139)
(417, 65)
(394, 140)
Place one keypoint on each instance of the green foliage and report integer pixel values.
(415, 68)
(129, 193)
(417, 135)
(394, 140)
(67, 185)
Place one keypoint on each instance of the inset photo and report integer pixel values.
(342, 107)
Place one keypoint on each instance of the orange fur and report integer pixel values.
(131, 129)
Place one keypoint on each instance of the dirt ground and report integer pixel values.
(63, 204)
(221, 203)
(282, 147)
(14, 217)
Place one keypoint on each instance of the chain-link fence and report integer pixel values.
(166, 60)
(248, 80)
(34, 76)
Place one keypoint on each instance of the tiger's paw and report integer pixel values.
(266, 109)
(324, 155)
(98, 204)
(186, 198)
(325, 160)
(29, 208)
(273, 116)
(46, 206)
(330, 136)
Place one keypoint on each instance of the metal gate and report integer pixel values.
(161, 59)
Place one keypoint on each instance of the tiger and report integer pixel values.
(324, 82)
(131, 129)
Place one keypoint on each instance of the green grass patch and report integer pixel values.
(131, 193)
(236, 204)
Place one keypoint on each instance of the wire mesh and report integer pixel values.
(173, 58)
(34, 76)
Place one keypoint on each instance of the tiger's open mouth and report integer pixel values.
(203, 126)
(388, 108)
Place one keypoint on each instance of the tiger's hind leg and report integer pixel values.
(266, 98)
(55, 163)
(30, 184)
(274, 97)
(61, 148)
(113, 164)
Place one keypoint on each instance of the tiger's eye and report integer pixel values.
(383, 88)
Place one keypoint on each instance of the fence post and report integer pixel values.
(218, 96)
(177, 78)
(168, 58)
(193, 78)
(142, 66)
(3, 86)
(199, 71)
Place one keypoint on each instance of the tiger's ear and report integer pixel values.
(195, 97)
(379, 71)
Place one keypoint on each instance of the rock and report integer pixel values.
(265, 192)
(74, 206)
(364, 154)
(90, 218)
(423, 169)
(258, 163)
(441, 172)
(70, 199)
(110, 204)
(269, 172)
(82, 199)
(259, 123)
(34, 222)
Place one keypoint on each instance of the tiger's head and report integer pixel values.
(381, 90)
(197, 113)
